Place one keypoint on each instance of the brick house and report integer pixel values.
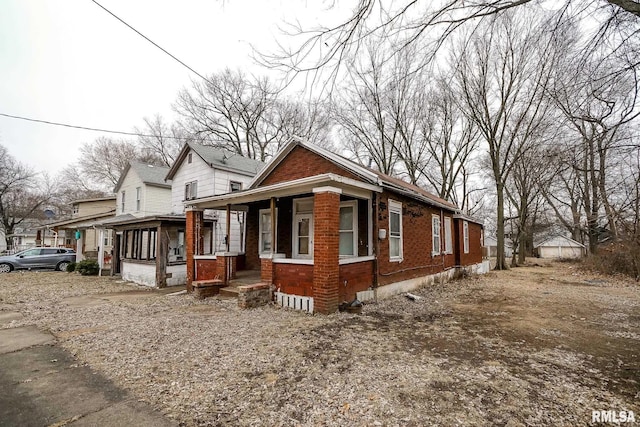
(323, 230)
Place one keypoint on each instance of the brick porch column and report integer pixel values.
(326, 270)
(193, 241)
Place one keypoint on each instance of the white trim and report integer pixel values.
(327, 189)
(355, 260)
(465, 236)
(272, 256)
(303, 261)
(354, 227)
(273, 244)
(394, 206)
(287, 188)
(434, 218)
(448, 235)
(224, 254)
(205, 257)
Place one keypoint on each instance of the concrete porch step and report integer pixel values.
(229, 292)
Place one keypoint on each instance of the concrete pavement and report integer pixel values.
(41, 384)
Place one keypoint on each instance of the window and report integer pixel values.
(448, 236)
(76, 208)
(122, 202)
(349, 228)
(235, 186)
(465, 233)
(395, 231)
(190, 158)
(435, 233)
(191, 190)
(138, 196)
(303, 228)
(264, 244)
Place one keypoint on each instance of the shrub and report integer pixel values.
(71, 267)
(618, 258)
(88, 267)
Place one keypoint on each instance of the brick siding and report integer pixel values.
(302, 163)
(354, 278)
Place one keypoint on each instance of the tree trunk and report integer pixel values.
(500, 261)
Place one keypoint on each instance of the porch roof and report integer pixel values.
(288, 188)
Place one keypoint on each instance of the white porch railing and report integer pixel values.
(296, 302)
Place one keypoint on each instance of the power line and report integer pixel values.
(47, 122)
(151, 41)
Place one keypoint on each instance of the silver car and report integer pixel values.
(58, 258)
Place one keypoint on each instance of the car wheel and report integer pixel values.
(5, 268)
(62, 266)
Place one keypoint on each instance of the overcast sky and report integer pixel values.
(70, 61)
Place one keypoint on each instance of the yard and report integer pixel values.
(536, 345)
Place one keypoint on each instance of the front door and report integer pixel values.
(303, 236)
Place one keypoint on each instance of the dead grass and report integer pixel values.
(535, 345)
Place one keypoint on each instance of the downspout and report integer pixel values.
(376, 239)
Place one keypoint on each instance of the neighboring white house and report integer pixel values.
(491, 243)
(150, 223)
(202, 171)
(560, 247)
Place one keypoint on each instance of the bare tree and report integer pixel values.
(22, 195)
(247, 115)
(160, 139)
(501, 74)
(429, 24)
(598, 107)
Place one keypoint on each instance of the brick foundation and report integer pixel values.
(250, 296)
(206, 288)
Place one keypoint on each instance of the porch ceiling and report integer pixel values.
(348, 186)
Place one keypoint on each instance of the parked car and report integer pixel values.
(58, 258)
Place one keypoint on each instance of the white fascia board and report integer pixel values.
(283, 189)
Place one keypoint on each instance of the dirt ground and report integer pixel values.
(536, 345)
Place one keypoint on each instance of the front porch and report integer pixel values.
(312, 242)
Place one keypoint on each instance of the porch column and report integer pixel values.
(326, 240)
(193, 241)
(162, 255)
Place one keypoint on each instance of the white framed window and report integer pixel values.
(264, 225)
(235, 186)
(122, 202)
(395, 231)
(191, 190)
(303, 228)
(138, 197)
(76, 208)
(436, 244)
(465, 234)
(448, 236)
(348, 229)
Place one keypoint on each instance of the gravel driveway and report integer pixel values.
(536, 345)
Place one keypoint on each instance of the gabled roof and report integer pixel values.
(216, 158)
(559, 240)
(148, 174)
(368, 175)
(94, 199)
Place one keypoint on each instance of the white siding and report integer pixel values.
(153, 200)
(210, 182)
(157, 200)
(142, 274)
